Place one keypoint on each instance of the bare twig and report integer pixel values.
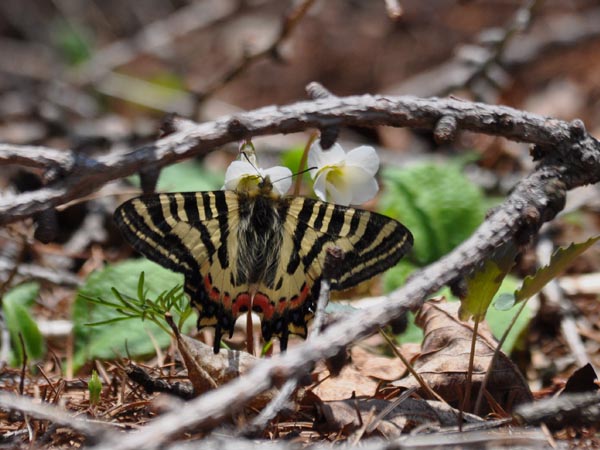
(45, 411)
(153, 37)
(580, 410)
(289, 23)
(43, 157)
(563, 31)
(568, 140)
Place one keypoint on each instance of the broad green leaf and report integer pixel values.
(558, 263)
(505, 301)
(23, 294)
(117, 337)
(437, 203)
(291, 159)
(185, 177)
(20, 322)
(484, 282)
(498, 320)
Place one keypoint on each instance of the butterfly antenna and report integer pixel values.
(248, 151)
(295, 174)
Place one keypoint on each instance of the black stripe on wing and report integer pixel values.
(371, 242)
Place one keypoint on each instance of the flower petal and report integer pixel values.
(364, 157)
(363, 185)
(236, 171)
(337, 194)
(319, 158)
(320, 185)
(281, 177)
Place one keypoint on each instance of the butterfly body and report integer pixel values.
(251, 249)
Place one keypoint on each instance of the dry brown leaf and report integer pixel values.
(350, 381)
(344, 415)
(444, 359)
(376, 366)
(208, 371)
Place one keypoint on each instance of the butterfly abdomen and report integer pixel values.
(259, 239)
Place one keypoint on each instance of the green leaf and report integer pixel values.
(498, 320)
(116, 336)
(397, 275)
(484, 282)
(73, 41)
(186, 176)
(505, 301)
(437, 203)
(20, 322)
(23, 294)
(558, 263)
(94, 388)
(291, 158)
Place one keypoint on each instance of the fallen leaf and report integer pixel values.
(377, 366)
(582, 380)
(444, 360)
(351, 381)
(343, 416)
(208, 370)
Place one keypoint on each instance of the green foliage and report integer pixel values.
(20, 322)
(186, 177)
(291, 158)
(73, 42)
(560, 260)
(485, 281)
(439, 205)
(498, 320)
(94, 388)
(397, 275)
(118, 328)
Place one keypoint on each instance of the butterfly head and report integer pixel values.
(257, 185)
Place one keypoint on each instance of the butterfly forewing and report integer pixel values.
(371, 242)
(240, 251)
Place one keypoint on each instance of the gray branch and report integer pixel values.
(568, 141)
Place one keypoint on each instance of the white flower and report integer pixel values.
(344, 178)
(242, 176)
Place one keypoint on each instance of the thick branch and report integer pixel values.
(569, 141)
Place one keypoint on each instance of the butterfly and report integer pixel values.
(256, 250)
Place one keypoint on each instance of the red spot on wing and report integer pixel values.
(241, 304)
(295, 302)
(262, 305)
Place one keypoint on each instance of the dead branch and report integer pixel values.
(45, 411)
(569, 141)
(153, 37)
(555, 33)
(36, 156)
(563, 411)
(288, 24)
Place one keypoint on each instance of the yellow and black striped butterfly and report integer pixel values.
(257, 250)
